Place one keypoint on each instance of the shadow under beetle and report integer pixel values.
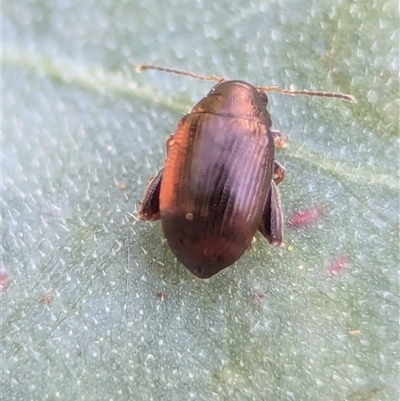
(218, 183)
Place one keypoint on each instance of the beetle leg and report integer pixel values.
(279, 140)
(150, 205)
(251, 245)
(279, 173)
(271, 225)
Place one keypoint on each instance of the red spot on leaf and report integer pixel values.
(4, 282)
(337, 266)
(258, 296)
(305, 217)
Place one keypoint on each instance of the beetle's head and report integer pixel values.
(234, 99)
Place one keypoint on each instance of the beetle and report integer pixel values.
(218, 185)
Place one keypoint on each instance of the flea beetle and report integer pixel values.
(218, 185)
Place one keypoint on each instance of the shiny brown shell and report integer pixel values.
(211, 194)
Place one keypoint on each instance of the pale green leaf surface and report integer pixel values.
(78, 121)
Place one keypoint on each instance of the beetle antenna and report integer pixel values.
(141, 68)
(341, 96)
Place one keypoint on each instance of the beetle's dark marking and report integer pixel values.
(215, 206)
(251, 173)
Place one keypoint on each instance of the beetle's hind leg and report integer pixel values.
(150, 205)
(271, 225)
(279, 140)
(279, 173)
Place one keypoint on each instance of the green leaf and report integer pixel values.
(94, 305)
